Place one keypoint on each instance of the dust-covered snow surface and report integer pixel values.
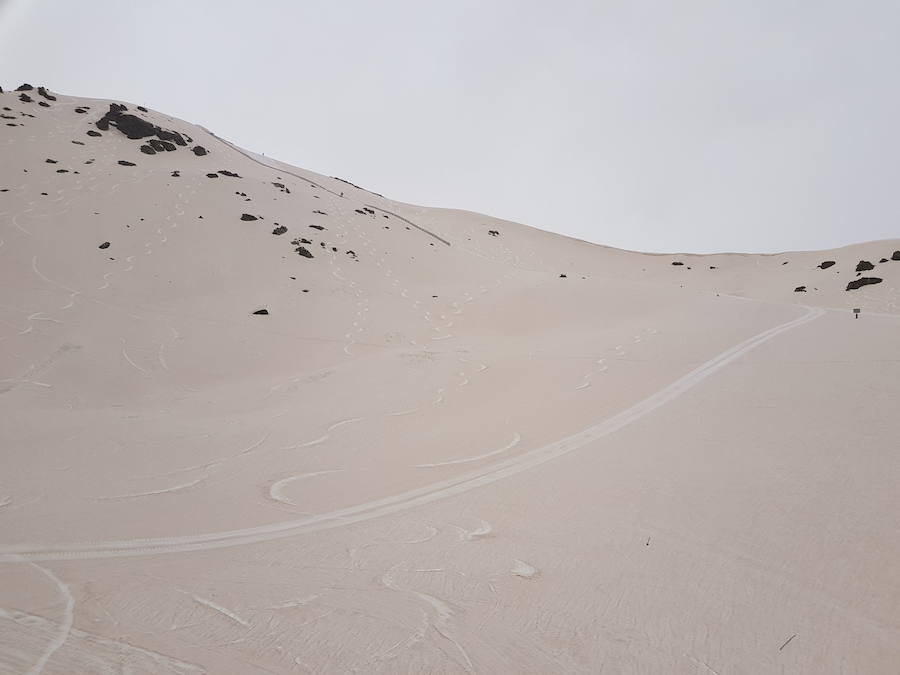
(258, 420)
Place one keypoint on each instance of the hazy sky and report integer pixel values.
(746, 125)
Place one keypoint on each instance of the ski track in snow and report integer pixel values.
(65, 625)
(276, 490)
(412, 498)
(465, 460)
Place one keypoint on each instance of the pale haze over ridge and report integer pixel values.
(741, 126)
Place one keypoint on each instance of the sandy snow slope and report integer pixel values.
(453, 444)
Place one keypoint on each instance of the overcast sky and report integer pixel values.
(739, 125)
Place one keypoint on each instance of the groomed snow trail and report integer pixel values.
(406, 500)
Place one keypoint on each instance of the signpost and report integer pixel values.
(856, 312)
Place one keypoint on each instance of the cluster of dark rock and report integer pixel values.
(494, 233)
(138, 128)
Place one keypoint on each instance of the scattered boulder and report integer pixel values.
(864, 266)
(824, 265)
(142, 108)
(563, 276)
(212, 175)
(230, 174)
(147, 150)
(81, 111)
(43, 104)
(321, 213)
(91, 132)
(677, 263)
(43, 92)
(895, 255)
(105, 244)
(50, 161)
(281, 229)
(125, 163)
(494, 233)
(198, 150)
(883, 260)
(863, 281)
(25, 87)
(247, 217)
(302, 250)
(262, 312)
(317, 227)
(25, 98)
(176, 174)
(800, 289)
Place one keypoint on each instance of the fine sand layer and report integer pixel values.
(258, 420)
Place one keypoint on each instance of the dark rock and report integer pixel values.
(62, 171)
(134, 127)
(212, 175)
(262, 312)
(864, 266)
(91, 132)
(147, 150)
(176, 174)
(563, 276)
(43, 104)
(713, 267)
(895, 255)
(142, 108)
(281, 229)
(168, 147)
(317, 227)
(863, 281)
(105, 244)
(321, 213)
(883, 260)
(302, 250)
(25, 87)
(78, 142)
(248, 217)
(157, 144)
(677, 263)
(124, 163)
(800, 289)
(81, 111)
(494, 233)
(198, 150)
(25, 98)
(230, 174)
(826, 264)
(43, 92)
(102, 124)
(360, 211)
(50, 161)
(168, 135)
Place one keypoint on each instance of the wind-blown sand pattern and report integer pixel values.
(265, 421)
